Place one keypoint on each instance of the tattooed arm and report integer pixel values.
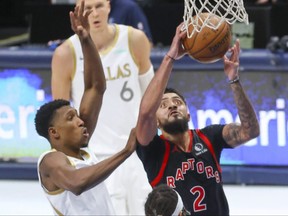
(236, 134)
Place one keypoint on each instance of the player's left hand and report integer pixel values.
(231, 65)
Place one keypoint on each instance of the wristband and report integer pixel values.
(171, 57)
(235, 80)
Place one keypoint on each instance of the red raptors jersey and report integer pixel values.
(196, 174)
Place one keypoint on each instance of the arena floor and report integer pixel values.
(26, 198)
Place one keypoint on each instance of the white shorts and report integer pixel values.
(128, 186)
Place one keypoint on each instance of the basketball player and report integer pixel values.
(165, 201)
(125, 55)
(188, 160)
(69, 173)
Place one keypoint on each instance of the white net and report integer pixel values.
(227, 10)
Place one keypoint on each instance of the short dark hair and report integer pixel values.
(45, 114)
(172, 90)
(161, 201)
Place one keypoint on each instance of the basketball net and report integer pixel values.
(228, 10)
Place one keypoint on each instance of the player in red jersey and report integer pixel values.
(188, 160)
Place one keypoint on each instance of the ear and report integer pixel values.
(188, 112)
(188, 116)
(53, 133)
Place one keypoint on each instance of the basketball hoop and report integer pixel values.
(228, 10)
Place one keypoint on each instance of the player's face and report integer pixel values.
(98, 19)
(69, 128)
(172, 114)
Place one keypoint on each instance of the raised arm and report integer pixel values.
(147, 123)
(236, 134)
(94, 78)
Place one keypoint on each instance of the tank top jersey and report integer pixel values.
(95, 201)
(122, 97)
(195, 175)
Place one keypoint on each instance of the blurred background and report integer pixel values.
(255, 175)
(39, 21)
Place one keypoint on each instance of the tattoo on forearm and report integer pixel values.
(249, 124)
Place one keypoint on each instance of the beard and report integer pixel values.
(176, 127)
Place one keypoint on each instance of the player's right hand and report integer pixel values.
(79, 20)
(177, 50)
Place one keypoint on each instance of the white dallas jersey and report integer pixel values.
(95, 201)
(122, 98)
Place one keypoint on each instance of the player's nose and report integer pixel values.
(80, 122)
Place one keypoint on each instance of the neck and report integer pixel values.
(182, 140)
(76, 153)
(104, 37)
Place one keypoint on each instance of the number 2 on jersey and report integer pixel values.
(197, 204)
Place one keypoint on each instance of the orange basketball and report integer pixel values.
(208, 45)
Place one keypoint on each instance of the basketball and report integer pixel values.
(209, 45)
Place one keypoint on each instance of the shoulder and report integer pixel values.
(215, 134)
(50, 156)
(140, 47)
(50, 160)
(63, 56)
(65, 50)
(211, 130)
(137, 35)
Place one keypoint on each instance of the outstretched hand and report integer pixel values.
(176, 50)
(79, 20)
(231, 65)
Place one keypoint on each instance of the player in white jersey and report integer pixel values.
(69, 173)
(125, 55)
(95, 201)
(123, 93)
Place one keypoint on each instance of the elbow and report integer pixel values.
(256, 132)
(251, 128)
(252, 132)
(101, 88)
(77, 188)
